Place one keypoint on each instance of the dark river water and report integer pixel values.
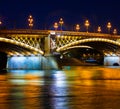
(86, 87)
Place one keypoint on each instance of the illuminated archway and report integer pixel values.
(90, 40)
(12, 47)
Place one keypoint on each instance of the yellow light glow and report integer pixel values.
(99, 29)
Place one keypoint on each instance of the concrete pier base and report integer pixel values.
(111, 60)
(32, 62)
(24, 62)
(49, 63)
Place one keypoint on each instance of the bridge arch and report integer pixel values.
(12, 47)
(109, 44)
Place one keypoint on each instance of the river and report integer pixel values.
(80, 87)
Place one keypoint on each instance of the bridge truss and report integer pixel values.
(105, 43)
(22, 42)
(27, 42)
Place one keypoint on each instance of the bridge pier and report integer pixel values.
(111, 60)
(48, 61)
(32, 62)
(24, 62)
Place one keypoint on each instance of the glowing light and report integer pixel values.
(23, 62)
(61, 22)
(21, 45)
(77, 27)
(59, 78)
(87, 24)
(109, 26)
(0, 22)
(56, 25)
(110, 60)
(99, 29)
(115, 31)
(30, 20)
(86, 40)
(52, 32)
(82, 46)
(58, 35)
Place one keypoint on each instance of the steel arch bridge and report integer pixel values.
(105, 43)
(100, 44)
(27, 41)
(22, 42)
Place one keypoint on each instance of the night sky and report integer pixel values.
(14, 13)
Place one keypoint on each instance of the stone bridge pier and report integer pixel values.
(49, 61)
(112, 60)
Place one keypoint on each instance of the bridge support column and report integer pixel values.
(47, 45)
(111, 60)
(48, 61)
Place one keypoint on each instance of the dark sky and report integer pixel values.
(14, 13)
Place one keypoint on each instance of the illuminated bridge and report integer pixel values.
(25, 44)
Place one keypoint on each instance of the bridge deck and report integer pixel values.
(64, 33)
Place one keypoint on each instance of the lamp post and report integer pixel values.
(56, 25)
(30, 21)
(109, 26)
(0, 22)
(99, 29)
(61, 23)
(77, 27)
(87, 24)
(115, 31)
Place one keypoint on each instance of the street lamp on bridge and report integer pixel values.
(99, 29)
(77, 27)
(87, 24)
(0, 22)
(56, 25)
(115, 31)
(109, 26)
(30, 21)
(61, 22)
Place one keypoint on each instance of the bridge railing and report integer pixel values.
(73, 33)
(24, 31)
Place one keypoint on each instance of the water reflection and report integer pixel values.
(55, 90)
(4, 92)
(26, 89)
(76, 87)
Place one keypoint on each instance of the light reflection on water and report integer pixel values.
(70, 88)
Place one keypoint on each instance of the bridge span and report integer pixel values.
(27, 43)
